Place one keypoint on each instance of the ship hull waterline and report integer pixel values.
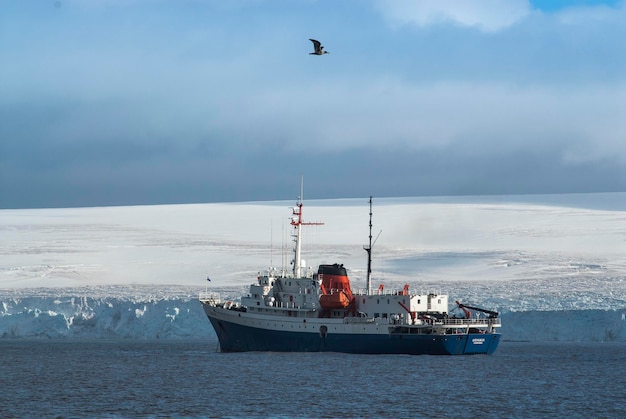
(238, 337)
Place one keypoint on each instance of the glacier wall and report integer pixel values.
(84, 317)
(565, 325)
(103, 317)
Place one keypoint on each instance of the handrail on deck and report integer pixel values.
(209, 297)
(464, 322)
(393, 291)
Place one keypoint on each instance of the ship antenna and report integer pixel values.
(368, 249)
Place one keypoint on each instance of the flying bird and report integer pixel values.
(317, 46)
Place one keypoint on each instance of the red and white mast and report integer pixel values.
(298, 221)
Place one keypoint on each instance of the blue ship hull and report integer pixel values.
(238, 338)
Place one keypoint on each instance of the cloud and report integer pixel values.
(485, 15)
(392, 113)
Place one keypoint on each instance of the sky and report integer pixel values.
(126, 102)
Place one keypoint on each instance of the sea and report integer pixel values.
(192, 379)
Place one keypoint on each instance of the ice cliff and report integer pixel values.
(181, 317)
(85, 317)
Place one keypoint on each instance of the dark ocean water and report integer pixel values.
(137, 379)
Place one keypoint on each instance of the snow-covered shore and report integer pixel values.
(77, 316)
(554, 266)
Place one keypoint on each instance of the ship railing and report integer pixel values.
(292, 305)
(359, 319)
(274, 273)
(470, 322)
(396, 291)
(209, 297)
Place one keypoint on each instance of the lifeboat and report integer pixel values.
(336, 292)
(337, 300)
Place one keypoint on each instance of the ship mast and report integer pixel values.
(368, 249)
(297, 222)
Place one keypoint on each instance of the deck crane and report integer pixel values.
(468, 315)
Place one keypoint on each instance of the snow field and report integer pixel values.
(554, 266)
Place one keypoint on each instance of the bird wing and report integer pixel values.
(316, 44)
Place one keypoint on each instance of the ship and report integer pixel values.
(308, 310)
